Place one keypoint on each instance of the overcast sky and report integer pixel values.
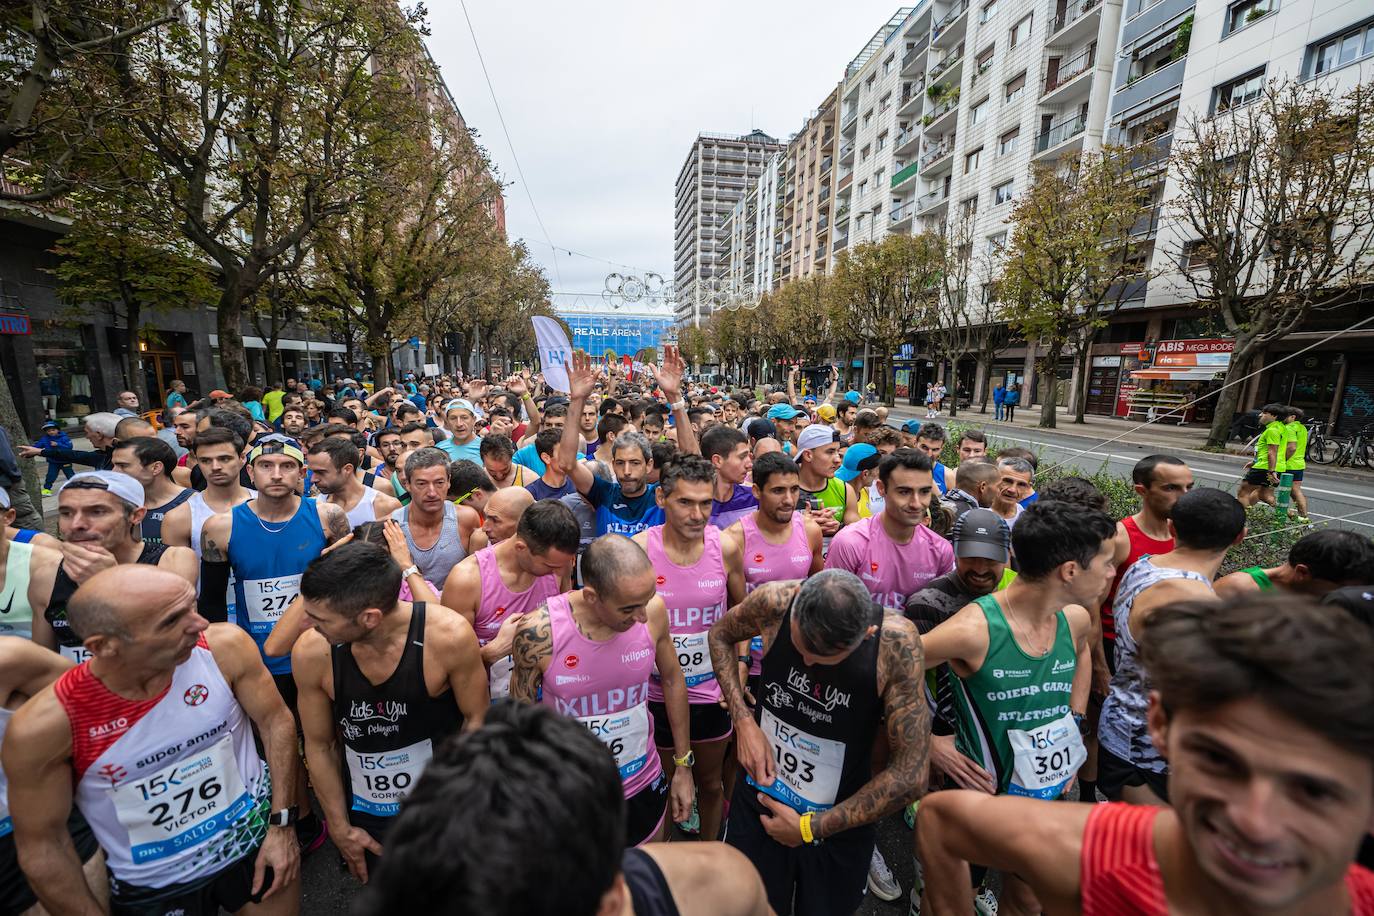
(603, 99)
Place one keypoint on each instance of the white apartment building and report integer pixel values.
(718, 170)
(751, 229)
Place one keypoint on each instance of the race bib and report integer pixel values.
(756, 647)
(626, 734)
(1045, 758)
(499, 677)
(382, 780)
(185, 804)
(808, 767)
(267, 600)
(694, 656)
(77, 654)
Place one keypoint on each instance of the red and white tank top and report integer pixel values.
(1120, 875)
(496, 604)
(696, 597)
(1142, 545)
(765, 562)
(172, 786)
(605, 686)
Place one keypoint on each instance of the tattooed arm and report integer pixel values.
(530, 655)
(908, 734)
(758, 614)
(214, 567)
(333, 520)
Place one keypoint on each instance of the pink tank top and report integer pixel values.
(498, 603)
(765, 562)
(696, 598)
(605, 686)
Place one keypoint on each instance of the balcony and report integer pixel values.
(850, 119)
(904, 175)
(901, 217)
(1132, 290)
(824, 195)
(1150, 156)
(947, 64)
(1060, 133)
(847, 153)
(910, 102)
(952, 26)
(906, 140)
(1056, 85)
(934, 121)
(1141, 89)
(822, 223)
(1147, 225)
(826, 163)
(1076, 23)
(840, 243)
(845, 181)
(929, 202)
(914, 61)
(937, 156)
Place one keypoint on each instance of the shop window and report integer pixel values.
(66, 375)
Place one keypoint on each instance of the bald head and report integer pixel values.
(766, 445)
(133, 427)
(114, 602)
(610, 558)
(503, 512)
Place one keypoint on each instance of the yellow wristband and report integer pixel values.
(805, 824)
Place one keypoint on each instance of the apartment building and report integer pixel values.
(718, 170)
(751, 230)
(1178, 62)
(805, 203)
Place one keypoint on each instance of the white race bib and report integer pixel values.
(268, 599)
(184, 804)
(626, 734)
(77, 654)
(1046, 758)
(694, 655)
(499, 677)
(808, 767)
(382, 780)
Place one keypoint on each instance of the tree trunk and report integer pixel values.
(1047, 367)
(1229, 397)
(133, 370)
(377, 350)
(954, 377)
(1080, 398)
(228, 314)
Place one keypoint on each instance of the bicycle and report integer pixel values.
(1357, 450)
(1320, 449)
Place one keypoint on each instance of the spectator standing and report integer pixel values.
(53, 437)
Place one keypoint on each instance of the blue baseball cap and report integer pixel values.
(783, 412)
(912, 426)
(852, 396)
(857, 459)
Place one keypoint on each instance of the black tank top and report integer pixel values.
(63, 587)
(649, 891)
(819, 720)
(389, 730)
(152, 519)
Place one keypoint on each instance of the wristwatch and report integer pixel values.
(686, 760)
(285, 817)
(409, 571)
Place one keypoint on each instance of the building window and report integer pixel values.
(878, 177)
(1342, 50)
(1007, 142)
(1020, 33)
(887, 64)
(978, 111)
(1240, 91)
(864, 153)
(988, 11)
(868, 117)
(1002, 193)
(984, 58)
(881, 141)
(885, 103)
(868, 83)
(972, 160)
(863, 187)
(1016, 85)
(997, 243)
(969, 206)
(1243, 12)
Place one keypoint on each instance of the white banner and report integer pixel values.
(555, 353)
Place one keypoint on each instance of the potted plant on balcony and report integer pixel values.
(936, 92)
(1256, 13)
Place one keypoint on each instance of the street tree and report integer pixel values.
(1275, 216)
(887, 287)
(1065, 270)
(952, 322)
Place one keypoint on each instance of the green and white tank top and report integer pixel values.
(16, 615)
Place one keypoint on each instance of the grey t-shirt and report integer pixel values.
(434, 564)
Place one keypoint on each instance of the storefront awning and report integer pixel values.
(1180, 375)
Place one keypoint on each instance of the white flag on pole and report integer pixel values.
(555, 353)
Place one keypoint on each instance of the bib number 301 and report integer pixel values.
(1046, 758)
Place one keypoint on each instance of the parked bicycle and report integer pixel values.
(1351, 451)
(1320, 448)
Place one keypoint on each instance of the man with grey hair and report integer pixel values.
(100, 432)
(1015, 481)
(167, 699)
(627, 506)
(835, 667)
(438, 533)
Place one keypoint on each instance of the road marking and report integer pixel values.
(1197, 467)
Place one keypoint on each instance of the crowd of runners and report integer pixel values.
(512, 649)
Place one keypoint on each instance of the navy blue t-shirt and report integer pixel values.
(617, 513)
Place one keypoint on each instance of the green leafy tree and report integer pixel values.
(1274, 217)
(1065, 270)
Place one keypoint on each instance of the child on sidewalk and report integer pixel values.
(53, 437)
